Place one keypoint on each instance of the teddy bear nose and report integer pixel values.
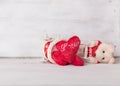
(103, 58)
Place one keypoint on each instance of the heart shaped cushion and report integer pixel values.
(68, 48)
(66, 52)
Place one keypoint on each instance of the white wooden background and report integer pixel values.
(24, 23)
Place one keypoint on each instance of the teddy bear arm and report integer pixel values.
(92, 60)
(112, 60)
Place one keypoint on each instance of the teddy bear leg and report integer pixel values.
(78, 61)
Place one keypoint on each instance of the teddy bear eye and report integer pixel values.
(103, 51)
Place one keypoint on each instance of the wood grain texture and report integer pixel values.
(32, 72)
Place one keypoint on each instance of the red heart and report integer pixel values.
(69, 48)
(71, 45)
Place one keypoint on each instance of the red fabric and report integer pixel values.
(58, 58)
(92, 50)
(46, 47)
(78, 61)
(65, 52)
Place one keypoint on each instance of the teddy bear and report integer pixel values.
(97, 52)
(63, 52)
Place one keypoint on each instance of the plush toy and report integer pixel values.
(63, 52)
(97, 52)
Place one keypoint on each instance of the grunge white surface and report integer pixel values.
(24, 23)
(32, 72)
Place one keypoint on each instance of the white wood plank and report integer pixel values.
(14, 72)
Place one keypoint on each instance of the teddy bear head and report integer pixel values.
(104, 52)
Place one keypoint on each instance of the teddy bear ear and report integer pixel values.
(92, 43)
(112, 48)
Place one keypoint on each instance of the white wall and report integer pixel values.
(23, 23)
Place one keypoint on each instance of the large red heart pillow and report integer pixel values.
(68, 48)
(64, 52)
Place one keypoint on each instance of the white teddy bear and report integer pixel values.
(97, 52)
